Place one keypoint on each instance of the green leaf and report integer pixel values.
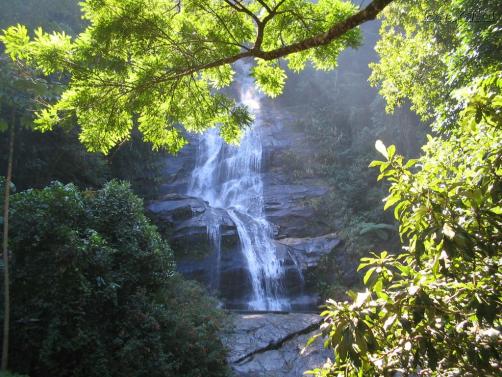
(375, 163)
(391, 151)
(497, 210)
(391, 200)
(410, 163)
(435, 266)
(312, 340)
(378, 287)
(270, 78)
(368, 274)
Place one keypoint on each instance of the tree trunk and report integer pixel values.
(6, 321)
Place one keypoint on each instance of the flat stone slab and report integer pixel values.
(271, 345)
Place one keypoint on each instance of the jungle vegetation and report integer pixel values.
(152, 69)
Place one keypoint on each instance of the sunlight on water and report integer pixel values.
(229, 177)
(250, 98)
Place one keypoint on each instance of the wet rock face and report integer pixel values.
(307, 251)
(175, 208)
(286, 206)
(178, 169)
(263, 345)
(189, 218)
(196, 254)
(301, 237)
(288, 199)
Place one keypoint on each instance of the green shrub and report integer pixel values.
(95, 292)
(434, 308)
(8, 374)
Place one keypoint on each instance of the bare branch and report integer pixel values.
(265, 5)
(241, 8)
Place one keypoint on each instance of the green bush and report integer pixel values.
(435, 307)
(8, 374)
(95, 293)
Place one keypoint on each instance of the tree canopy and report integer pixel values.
(429, 48)
(432, 308)
(96, 293)
(160, 64)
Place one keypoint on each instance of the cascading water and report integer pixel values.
(229, 177)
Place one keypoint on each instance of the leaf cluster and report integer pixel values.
(160, 64)
(430, 48)
(433, 310)
(96, 292)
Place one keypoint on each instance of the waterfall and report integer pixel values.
(229, 177)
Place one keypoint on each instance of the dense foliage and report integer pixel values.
(160, 63)
(430, 48)
(96, 293)
(41, 158)
(434, 308)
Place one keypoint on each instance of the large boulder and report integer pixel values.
(190, 219)
(177, 207)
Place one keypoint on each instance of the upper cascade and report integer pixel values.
(229, 177)
(240, 220)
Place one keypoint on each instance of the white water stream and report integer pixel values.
(229, 177)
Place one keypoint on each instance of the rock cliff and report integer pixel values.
(302, 238)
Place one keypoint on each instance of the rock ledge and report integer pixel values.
(270, 344)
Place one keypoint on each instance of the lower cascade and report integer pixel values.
(239, 220)
(229, 178)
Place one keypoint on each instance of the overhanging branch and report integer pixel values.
(367, 14)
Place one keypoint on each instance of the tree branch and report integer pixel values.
(241, 8)
(367, 14)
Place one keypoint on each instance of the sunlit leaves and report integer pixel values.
(231, 129)
(269, 77)
(430, 48)
(427, 308)
(47, 118)
(219, 77)
(46, 52)
(159, 64)
(15, 40)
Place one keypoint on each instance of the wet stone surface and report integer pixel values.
(272, 345)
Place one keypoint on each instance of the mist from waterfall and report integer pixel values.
(229, 177)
